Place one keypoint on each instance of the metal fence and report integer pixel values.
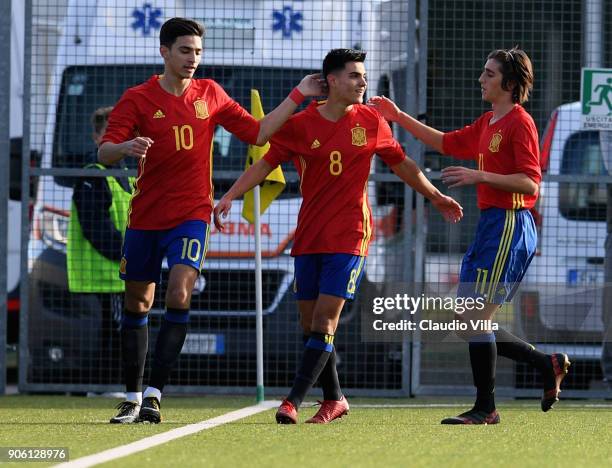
(427, 56)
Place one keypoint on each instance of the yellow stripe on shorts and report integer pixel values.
(502, 253)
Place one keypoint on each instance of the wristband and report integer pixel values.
(296, 96)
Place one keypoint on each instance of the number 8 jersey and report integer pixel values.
(174, 182)
(333, 161)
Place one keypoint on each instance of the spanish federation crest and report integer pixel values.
(358, 136)
(201, 109)
(495, 142)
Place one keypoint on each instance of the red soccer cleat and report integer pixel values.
(330, 410)
(552, 386)
(287, 413)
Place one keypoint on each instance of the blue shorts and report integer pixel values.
(497, 260)
(143, 250)
(334, 274)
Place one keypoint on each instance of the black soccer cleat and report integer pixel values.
(558, 368)
(128, 413)
(149, 411)
(474, 416)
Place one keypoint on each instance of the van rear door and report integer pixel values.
(573, 235)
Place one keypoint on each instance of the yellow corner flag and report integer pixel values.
(275, 181)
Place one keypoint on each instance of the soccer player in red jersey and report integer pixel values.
(504, 142)
(332, 145)
(168, 123)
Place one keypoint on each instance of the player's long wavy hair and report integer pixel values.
(517, 72)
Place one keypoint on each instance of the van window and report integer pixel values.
(583, 201)
(85, 88)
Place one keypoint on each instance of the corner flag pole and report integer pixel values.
(258, 298)
(254, 204)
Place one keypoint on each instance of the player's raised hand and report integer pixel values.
(457, 176)
(313, 85)
(221, 211)
(387, 108)
(449, 208)
(137, 147)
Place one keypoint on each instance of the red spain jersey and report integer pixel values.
(508, 146)
(333, 161)
(174, 181)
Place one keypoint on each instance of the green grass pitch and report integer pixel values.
(574, 434)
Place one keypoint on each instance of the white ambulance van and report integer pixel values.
(561, 299)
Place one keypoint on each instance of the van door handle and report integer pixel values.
(595, 260)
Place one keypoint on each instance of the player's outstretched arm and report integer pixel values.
(111, 153)
(458, 176)
(250, 178)
(311, 85)
(410, 173)
(389, 110)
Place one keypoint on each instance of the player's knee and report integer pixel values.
(139, 304)
(322, 324)
(178, 296)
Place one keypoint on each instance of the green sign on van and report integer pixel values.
(596, 98)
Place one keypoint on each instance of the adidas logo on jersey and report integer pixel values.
(159, 114)
(315, 144)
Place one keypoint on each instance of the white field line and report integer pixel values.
(159, 439)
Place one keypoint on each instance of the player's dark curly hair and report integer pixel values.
(176, 27)
(517, 72)
(337, 58)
